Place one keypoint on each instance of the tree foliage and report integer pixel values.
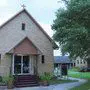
(72, 28)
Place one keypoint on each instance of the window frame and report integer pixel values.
(23, 26)
(43, 59)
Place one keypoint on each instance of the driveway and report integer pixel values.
(65, 86)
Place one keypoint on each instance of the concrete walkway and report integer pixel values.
(65, 86)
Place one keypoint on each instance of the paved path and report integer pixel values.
(65, 86)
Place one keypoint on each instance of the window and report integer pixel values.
(55, 65)
(23, 26)
(84, 62)
(81, 62)
(77, 61)
(43, 59)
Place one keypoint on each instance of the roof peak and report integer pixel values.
(12, 17)
(31, 17)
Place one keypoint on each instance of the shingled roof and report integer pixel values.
(62, 59)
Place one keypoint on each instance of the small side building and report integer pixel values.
(62, 60)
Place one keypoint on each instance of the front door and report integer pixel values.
(21, 65)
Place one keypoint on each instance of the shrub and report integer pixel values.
(6, 79)
(2, 83)
(46, 76)
(76, 69)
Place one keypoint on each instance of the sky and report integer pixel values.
(42, 10)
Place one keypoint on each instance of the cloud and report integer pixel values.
(46, 4)
(43, 10)
(57, 53)
(3, 3)
(47, 28)
(5, 16)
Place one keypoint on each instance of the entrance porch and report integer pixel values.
(24, 65)
(24, 58)
(25, 70)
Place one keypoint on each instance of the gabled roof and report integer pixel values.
(55, 46)
(62, 59)
(26, 38)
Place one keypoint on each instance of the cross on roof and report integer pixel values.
(23, 6)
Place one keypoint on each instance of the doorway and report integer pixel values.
(21, 65)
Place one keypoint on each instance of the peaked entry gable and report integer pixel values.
(25, 47)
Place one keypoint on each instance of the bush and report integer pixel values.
(2, 83)
(76, 69)
(45, 79)
(6, 79)
(46, 76)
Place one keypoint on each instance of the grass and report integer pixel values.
(55, 81)
(83, 75)
(76, 74)
(85, 86)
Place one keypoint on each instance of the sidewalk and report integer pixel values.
(65, 86)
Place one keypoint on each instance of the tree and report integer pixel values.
(72, 28)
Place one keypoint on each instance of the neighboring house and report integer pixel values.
(62, 60)
(80, 62)
(25, 48)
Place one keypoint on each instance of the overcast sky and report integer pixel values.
(42, 10)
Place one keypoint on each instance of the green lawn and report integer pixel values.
(55, 81)
(84, 75)
(85, 86)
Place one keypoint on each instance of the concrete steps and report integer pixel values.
(26, 81)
